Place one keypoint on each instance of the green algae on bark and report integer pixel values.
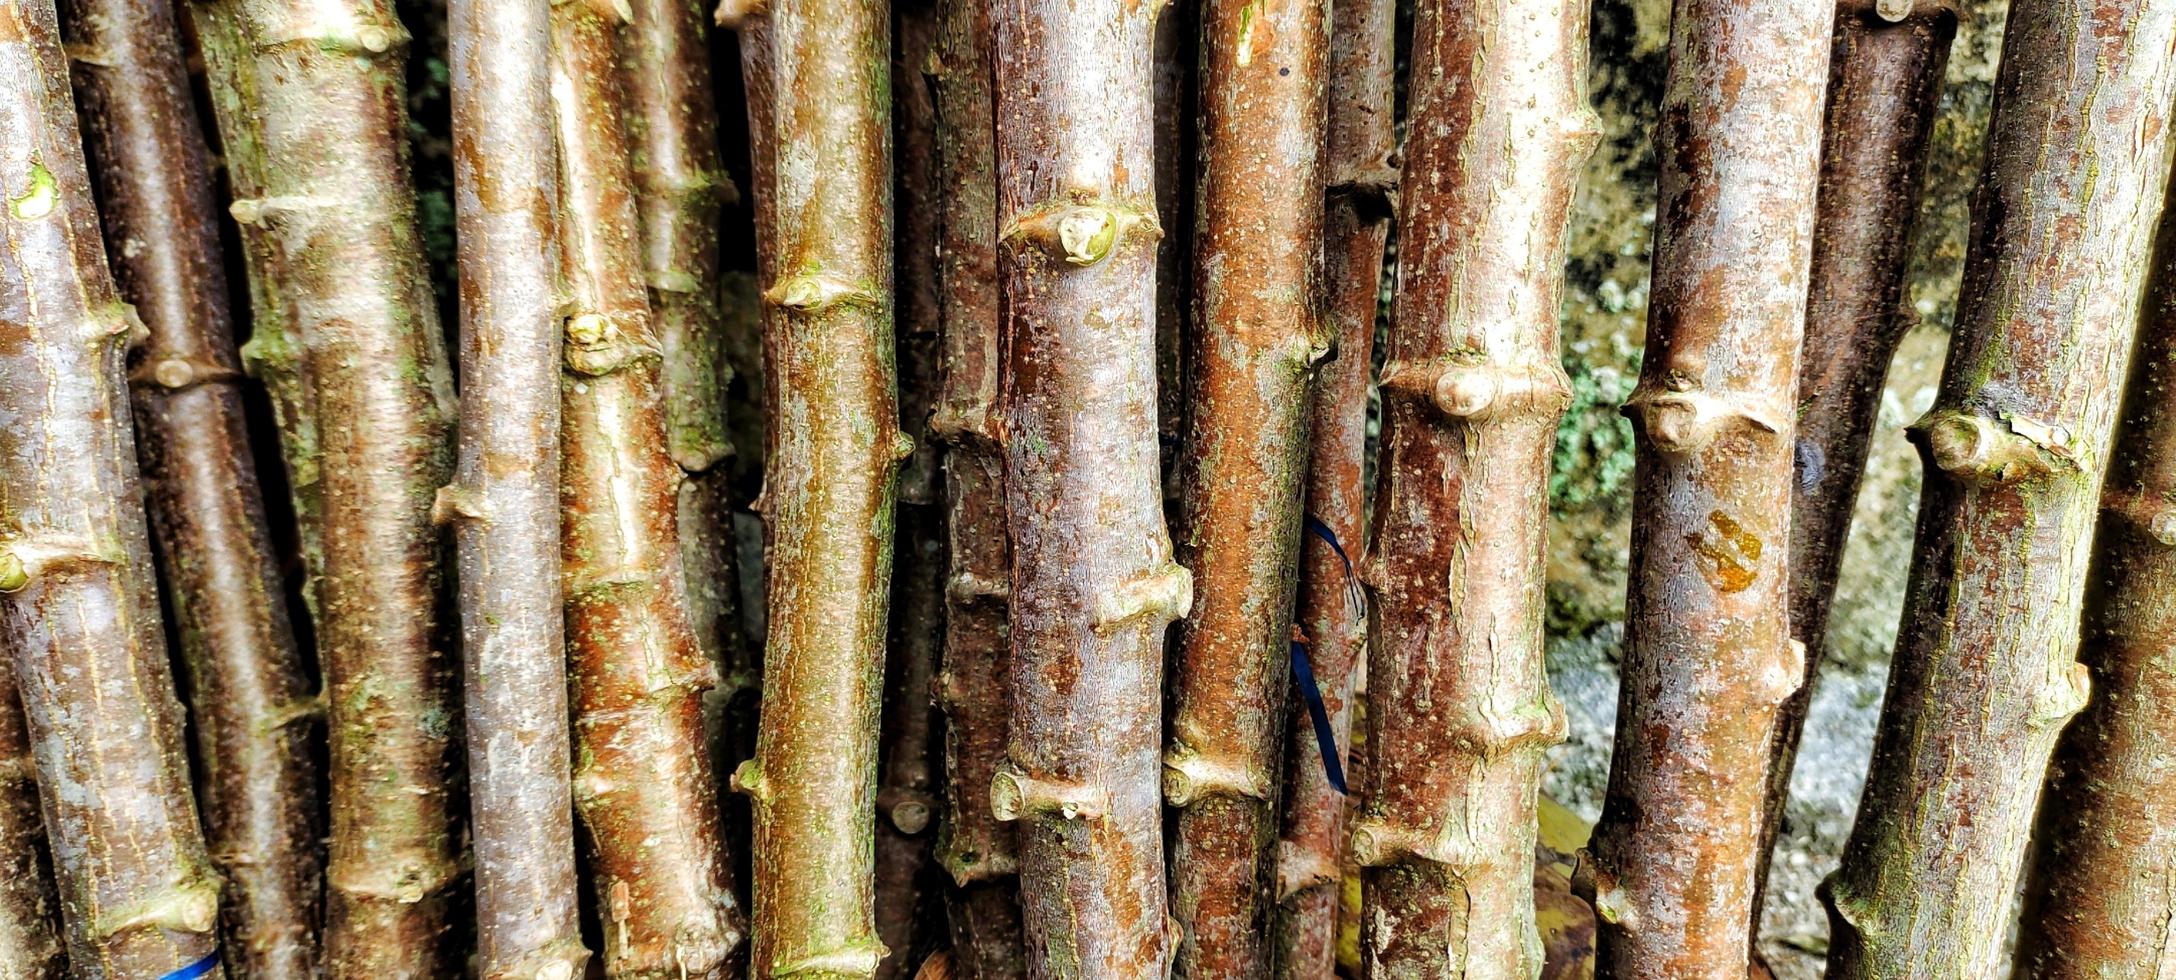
(974, 677)
(357, 303)
(255, 716)
(504, 498)
(1357, 147)
(79, 609)
(1459, 707)
(835, 448)
(1251, 355)
(1093, 583)
(643, 782)
(1709, 656)
(1885, 80)
(2099, 898)
(2014, 446)
(29, 920)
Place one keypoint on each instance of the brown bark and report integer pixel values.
(1256, 339)
(1459, 708)
(643, 781)
(29, 940)
(1357, 147)
(1709, 656)
(2015, 446)
(1177, 137)
(1093, 582)
(974, 683)
(683, 190)
(273, 353)
(829, 479)
(2100, 895)
(1885, 82)
(336, 197)
(247, 685)
(79, 609)
(504, 501)
(908, 758)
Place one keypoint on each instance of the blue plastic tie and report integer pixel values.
(1325, 737)
(200, 968)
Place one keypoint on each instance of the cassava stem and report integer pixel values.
(29, 942)
(79, 610)
(643, 782)
(1459, 709)
(1708, 651)
(253, 707)
(2100, 895)
(828, 479)
(2015, 447)
(340, 212)
(974, 682)
(1357, 147)
(504, 501)
(273, 354)
(1885, 78)
(1256, 339)
(1093, 582)
(682, 192)
(908, 755)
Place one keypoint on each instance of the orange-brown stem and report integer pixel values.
(2015, 447)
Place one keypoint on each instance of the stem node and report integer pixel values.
(1015, 795)
(1166, 593)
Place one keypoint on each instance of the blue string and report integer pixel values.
(200, 968)
(1325, 737)
(1323, 531)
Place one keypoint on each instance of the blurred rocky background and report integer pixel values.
(1605, 315)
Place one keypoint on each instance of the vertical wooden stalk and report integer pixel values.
(974, 684)
(1177, 140)
(682, 192)
(1359, 140)
(908, 757)
(1885, 82)
(29, 943)
(643, 783)
(251, 696)
(339, 210)
(1093, 582)
(2100, 895)
(1258, 334)
(1709, 656)
(1459, 708)
(273, 354)
(504, 501)
(2015, 447)
(79, 611)
(829, 479)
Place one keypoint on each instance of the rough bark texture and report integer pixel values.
(340, 214)
(906, 905)
(79, 608)
(1709, 656)
(273, 354)
(247, 685)
(643, 782)
(974, 682)
(1257, 336)
(504, 501)
(1459, 709)
(2101, 894)
(1093, 582)
(1359, 140)
(2015, 447)
(29, 935)
(829, 477)
(1885, 82)
(683, 190)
